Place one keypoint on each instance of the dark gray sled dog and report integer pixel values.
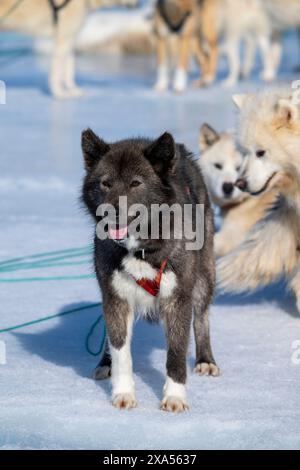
(157, 278)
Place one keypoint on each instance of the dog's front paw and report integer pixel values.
(75, 92)
(124, 401)
(180, 81)
(229, 82)
(207, 368)
(174, 404)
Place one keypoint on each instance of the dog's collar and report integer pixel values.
(152, 286)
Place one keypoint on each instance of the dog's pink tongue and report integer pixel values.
(118, 234)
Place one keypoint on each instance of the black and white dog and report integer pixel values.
(156, 277)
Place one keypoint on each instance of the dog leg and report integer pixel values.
(232, 50)
(276, 48)
(202, 60)
(249, 56)
(212, 62)
(69, 77)
(177, 314)
(205, 362)
(185, 50)
(180, 79)
(162, 81)
(269, 71)
(61, 80)
(119, 320)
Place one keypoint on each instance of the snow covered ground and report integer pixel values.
(47, 398)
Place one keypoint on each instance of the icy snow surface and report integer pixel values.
(48, 399)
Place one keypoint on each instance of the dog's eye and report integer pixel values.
(135, 184)
(238, 169)
(106, 184)
(218, 166)
(260, 153)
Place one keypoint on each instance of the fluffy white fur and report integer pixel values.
(221, 163)
(174, 396)
(141, 301)
(272, 250)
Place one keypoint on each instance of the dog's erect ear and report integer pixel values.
(287, 111)
(239, 100)
(161, 153)
(93, 148)
(208, 137)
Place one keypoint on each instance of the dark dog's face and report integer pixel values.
(136, 169)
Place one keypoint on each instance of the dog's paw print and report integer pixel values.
(205, 368)
(174, 404)
(124, 401)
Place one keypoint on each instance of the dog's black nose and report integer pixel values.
(241, 183)
(228, 189)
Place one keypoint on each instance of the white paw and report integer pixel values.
(75, 92)
(268, 76)
(65, 94)
(161, 86)
(180, 81)
(229, 83)
(124, 401)
(162, 80)
(205, 368)
(174, 404)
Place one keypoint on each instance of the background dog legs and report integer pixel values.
(62, 76)
(276, 48)
(250, 48)
(180, 78)
(69, 76)
(162, 80)
(184, 54)
(232, 51)
(268, 59)
(61, 82)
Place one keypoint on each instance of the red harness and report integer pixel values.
(152, 286)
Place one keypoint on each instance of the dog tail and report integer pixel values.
(269, 252)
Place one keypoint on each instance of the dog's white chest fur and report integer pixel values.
(124, 283)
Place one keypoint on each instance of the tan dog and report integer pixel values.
(233, 22)
(200, 26)
(271, 138)
(221, 163)
(38, 17)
